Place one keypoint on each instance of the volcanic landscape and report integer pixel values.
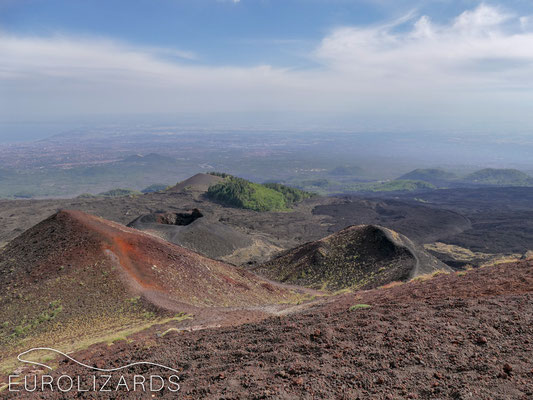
(340, 297)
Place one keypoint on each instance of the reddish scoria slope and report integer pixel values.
(456, 336)
(75, 274)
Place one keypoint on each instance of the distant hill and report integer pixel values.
(485, 177)
(86, 196)
(362, 257)
(238, 192)
(199, 182)
(437, 177)
(499, 177)
(397, 185)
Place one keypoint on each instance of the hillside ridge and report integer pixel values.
(356, 257)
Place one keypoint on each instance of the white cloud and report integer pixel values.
(481, 49)
(478, 66)
(64, 75)
(482, 19)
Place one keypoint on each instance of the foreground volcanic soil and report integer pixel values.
(466, 335)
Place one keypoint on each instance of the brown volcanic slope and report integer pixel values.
(456, 336)
(199, 182)
(75, 274)
(360, 257)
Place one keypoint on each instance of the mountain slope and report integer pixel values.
(397, 185)
(499, 177)
(200, 182)
(76, 275)
(363, 256)
(437, 177)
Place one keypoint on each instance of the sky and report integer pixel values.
(389, 65)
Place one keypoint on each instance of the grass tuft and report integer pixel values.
(360, 306)
(391, 285)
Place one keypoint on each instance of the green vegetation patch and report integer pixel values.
(291, 195)
(238, 192)
(360, 306)
(220, 174)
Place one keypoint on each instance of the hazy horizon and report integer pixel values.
(452, 67)
(393, 151)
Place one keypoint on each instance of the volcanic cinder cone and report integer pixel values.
(361, 257)
(75, 274)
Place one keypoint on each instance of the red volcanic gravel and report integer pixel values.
(452, 337)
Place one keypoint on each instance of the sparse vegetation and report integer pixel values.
(156, 187)
(120, 193)
(220, 174)
(25, 327)
(425, 277)
(398, 185)
(391, 285)
(357, 257)
(169, 330)
(118, 338)
(360, 307)
(463, 257)
(290, 194)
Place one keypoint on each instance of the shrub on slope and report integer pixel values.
(292, 195)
